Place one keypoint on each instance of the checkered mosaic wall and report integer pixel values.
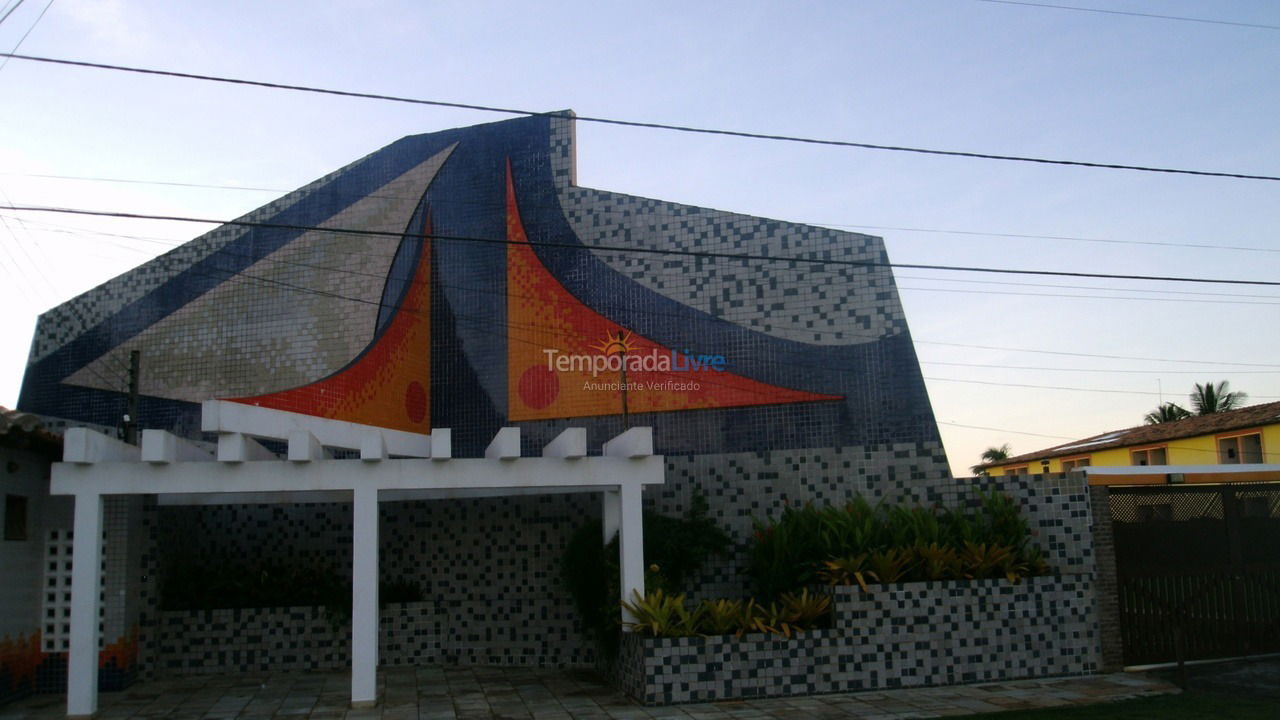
(489, 569)
(912, 635)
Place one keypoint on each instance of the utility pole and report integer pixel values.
(626, 420)
(131, 415)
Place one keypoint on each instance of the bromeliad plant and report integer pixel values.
(676, 548)
(862, 544)
(658, 614)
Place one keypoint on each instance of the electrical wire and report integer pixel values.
(1092, 370)
(9, 12)
(1196, 296)
(242, 278)
(1060, 387)
(637, 123)
(655, 251)
(1156, 16)
(655, 213)
(23, 39)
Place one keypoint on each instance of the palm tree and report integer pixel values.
(1209, 398)
(1167, 412)
(992, 454)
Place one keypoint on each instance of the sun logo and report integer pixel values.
(620, 345)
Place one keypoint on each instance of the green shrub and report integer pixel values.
(674, 549)
(861, 543)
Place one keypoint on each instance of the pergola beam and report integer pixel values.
(95, 466)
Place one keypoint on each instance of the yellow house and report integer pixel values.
(1249, 435)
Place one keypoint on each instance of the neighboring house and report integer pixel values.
(1249, 435)
(26, 451)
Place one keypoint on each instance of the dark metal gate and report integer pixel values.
(1198, 568)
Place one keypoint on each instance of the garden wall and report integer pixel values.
(311, 638)
(909, 635)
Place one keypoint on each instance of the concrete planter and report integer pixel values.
(906, 635)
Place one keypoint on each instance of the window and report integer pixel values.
(1020, 470)
(15, 517)
(1074, 463)
(1148, 456)
(1237, 449)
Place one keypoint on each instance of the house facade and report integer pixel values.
(462, 280)
(1248, 436)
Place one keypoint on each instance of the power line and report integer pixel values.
(23, 39)
(654, 251)
(1094, 370)
(1242, 299)
(244, 278)
(1093, 355)
(637, 123)
(10, 11)
(1084, 297)
(944, 231)
(1055, 237)
(1156, 16)
(1002, 430)
(1060, 387)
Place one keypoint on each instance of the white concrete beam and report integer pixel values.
(505, 445)
(471, 493)
(373, 448)
(86, 561)
(634, 443)
(226, 416)
(441, 444)
(125, 478)
(237, 448)
(82, 445)
(159, 446)
(259, 498)
(304, 447)
(569, 444)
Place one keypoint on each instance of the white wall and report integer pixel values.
(26, 474)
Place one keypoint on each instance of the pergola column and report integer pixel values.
(624, 508)
(610, 513)
(364, 597)
(631, 546)
(86, 563)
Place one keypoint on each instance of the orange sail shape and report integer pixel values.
(388, 384)
(554, 342)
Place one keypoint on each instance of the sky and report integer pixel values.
(1032, 361)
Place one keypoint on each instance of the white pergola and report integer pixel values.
(393, 465)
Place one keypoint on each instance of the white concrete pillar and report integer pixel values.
(86, 562)
(631, 545)
(610, 513)
(364, 598)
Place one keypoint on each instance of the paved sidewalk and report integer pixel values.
(462, 693)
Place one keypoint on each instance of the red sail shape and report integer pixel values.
(553, 340)
(389, 383)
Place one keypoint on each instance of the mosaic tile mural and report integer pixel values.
(461, 279)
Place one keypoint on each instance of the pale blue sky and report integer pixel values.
(951, 74)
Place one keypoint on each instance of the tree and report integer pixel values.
(1167, 412)
(1208, 399)
(992, 454)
